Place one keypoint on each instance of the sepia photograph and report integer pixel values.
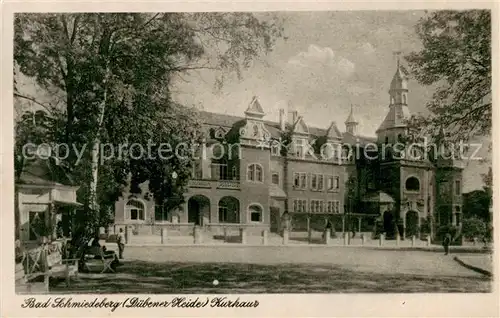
(269, 152)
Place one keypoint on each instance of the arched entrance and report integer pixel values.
(229, 210)
(389, 224)
(411, 223)
(198, 207)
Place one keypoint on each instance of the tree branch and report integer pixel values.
(47, 108)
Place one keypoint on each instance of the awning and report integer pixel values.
(378, 197)
(67, 203)
(276, 192)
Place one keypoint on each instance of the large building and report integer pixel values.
(252, 171)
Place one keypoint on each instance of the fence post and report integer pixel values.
(243, 237)
(264, 237)
(285, 237)
(346, 238)
(225, 235)
(413, 240)
(381, 240)
(428, 240)
(128, 239)
(198, 239)
(163, 235)
(398, 238)
(362, 238)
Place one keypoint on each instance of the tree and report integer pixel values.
(114, 72)
(456, 56)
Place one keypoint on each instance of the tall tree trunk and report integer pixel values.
(92, 202)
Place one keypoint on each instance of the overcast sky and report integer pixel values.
(329, 61)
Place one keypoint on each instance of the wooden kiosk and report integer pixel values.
(44, 213)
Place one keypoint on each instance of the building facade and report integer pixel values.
(257, 174)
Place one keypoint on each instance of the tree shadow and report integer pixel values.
(198, 278)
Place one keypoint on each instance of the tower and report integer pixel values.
(351, 124)
(393, 128)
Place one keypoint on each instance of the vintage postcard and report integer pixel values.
(237, 159)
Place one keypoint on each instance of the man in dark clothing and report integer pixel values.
(446, 243)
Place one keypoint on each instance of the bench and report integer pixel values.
(96, 257)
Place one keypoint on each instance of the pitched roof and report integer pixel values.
(224, 120)
(333, 131)
(396, 117)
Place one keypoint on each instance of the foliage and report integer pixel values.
(456, 56)
(476, 204)
(452, 230)
(474, 227)
(113, 73)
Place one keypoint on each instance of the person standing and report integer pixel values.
(446, 243)
(120, 240)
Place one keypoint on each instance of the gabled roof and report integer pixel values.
(333, 132)
(300, 126)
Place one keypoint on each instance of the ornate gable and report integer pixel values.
(300, 127)
(333, 132)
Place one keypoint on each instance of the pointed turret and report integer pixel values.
(394, 125)
(350, 123)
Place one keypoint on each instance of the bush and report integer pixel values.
(474, 227)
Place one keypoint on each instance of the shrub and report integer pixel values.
(474, 227)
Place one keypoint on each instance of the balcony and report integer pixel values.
(220, 177)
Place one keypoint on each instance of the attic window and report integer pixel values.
(219, 134)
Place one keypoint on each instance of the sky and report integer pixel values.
(329, 61)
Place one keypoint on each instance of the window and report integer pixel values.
(275, 148)
(333, 207)
(135, 210)
(386, 140)
(255, 173)
(197, 172)
(332, 183)
(255, 131)
(412, 184)
(458, 190)
(229, 208)
(314, 181)
(317, 182)
(316, 206)
(255, 213)
(235, 174)
(300, 180)
(275, 178)
(298, 146)
(320, 182)
(299, 205)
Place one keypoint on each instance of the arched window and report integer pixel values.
(134, 210)
(255, 173)
(229, 210)
(255, 213)
(412, 184)
(275, 178)
(386, 140)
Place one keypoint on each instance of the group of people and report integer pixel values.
(81, 245)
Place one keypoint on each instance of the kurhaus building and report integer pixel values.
(252, 173)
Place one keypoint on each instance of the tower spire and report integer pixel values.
(351, 123)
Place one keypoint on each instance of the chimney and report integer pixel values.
(293, 115)
(282, 119)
